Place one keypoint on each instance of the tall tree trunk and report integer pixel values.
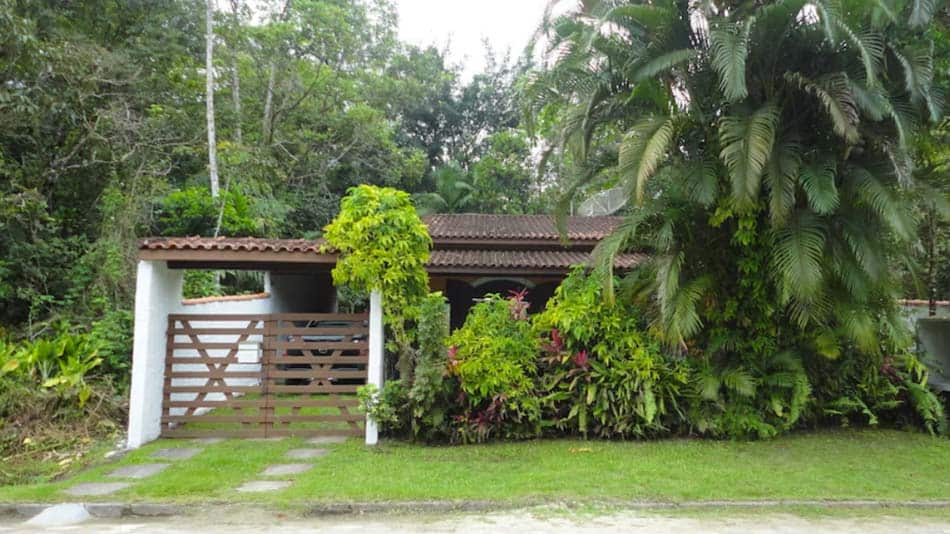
(235, 76)
(268, 104)
(209, 99)
(267, 124)
(931, 245)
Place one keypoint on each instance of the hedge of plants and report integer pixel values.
(586, 366)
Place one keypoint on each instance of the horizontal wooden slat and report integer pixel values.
(323, 345)
(234, 345)
(320, 316)
(215, 374)
(187, 432)
(224, 331)
(249, 418)
(280, 418)
(197, 360)
(314, 432)
(216, 317)
(316, 373)
(254, 418)
(302, 402)
(322, 331)
(361, 359)
(214, 389)
(313, 389)
(258, 432)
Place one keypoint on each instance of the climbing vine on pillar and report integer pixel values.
(383, 244)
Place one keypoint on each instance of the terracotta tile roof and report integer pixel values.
(477, 226)
(516, 259)
(256, 244)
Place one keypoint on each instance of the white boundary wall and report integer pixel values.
(158, 293)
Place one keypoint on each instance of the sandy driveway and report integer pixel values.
(522, 522)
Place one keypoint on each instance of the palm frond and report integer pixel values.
(834, 93)
(870, 100)
(818, 182)
(643, 148)
(880, 199)
(797, 254)
(781, 177)
(739, 381)
(663, 63)
(918, 65)
(746, 146)
(729, 45)
(701, 182)
(858, 325)
(921, 12)
(603, 255)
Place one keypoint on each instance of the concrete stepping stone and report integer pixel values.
(323, 440)
(279, 470)
(89, 489)
(60, 515)
(306, 454)
(138, 471)
(182, 453)
(208, 441)
(263, 485)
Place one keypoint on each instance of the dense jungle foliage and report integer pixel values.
(103, 141)
(785, 161)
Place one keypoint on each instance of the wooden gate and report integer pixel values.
(264, 375)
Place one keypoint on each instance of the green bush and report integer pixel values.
(494, 357)
(113, 335)
(192, 211)
(430, 396)
(383, 245)
(601, 373)
(52, 398)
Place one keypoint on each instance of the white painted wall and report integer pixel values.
(374, 369)
(250, 352)
(157, 293)
(302, 293)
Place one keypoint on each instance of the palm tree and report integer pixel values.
(453, 194)
(767, 147)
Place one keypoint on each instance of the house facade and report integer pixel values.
(273, 363)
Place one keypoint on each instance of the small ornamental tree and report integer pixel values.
(383, 245)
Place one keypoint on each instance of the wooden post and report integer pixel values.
(374, 368)
(268, 355)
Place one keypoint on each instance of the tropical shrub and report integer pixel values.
(383, 245)
(424, 410)
(494, 357)
(601, 373)
(430, 397)
(52, 397)
(192, 211)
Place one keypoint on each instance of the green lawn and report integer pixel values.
(845, 464)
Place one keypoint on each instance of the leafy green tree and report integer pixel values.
(453, 192)
(383, 245)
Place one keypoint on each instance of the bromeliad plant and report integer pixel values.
(601, 374)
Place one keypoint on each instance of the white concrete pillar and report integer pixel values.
(374, 368)
(157, 293)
